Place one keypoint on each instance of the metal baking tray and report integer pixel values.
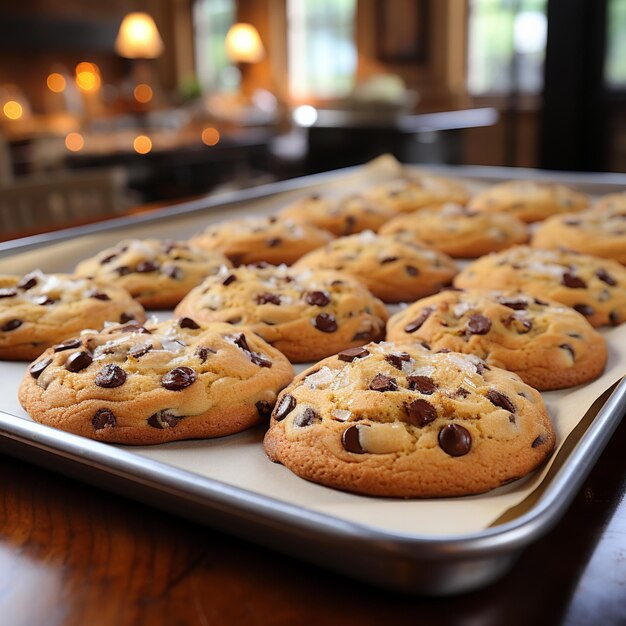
(408, 561)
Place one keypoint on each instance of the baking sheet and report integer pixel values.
(239, 460)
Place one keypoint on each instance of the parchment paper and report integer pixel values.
(239, 460)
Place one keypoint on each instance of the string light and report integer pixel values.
(56, 82)
(74, 142)
(142, 144)
(13, 110)
(210, 136)
(143, 93)
(88, 76)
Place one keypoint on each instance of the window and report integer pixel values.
(212, 19)
(615, 60)
(321, 49)
(506, 46)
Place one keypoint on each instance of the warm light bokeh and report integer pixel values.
(88, 76)
(13, 110)
(56, 82)
(142, 144)
(74, 142)
(210, 136)
(138, 37)
(143, 93)
(243, 44)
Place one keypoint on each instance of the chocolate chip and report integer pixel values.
(605, 277)
(172, 271)
(538, 441)
(325, 322)
(540, 302)
(133, 325)
(417, 323)
(352, 353)
(202, 352)
(350, 440)
(516, 305)
(109, 258)
(11, 325)
(147, 266)
(411, 270)
(98, 295)
(584, 309)
(103, 418)
(179, 378)
(38, 367)
(317, 298)
(349, 224)
(455, 440)
(284, 407)
(264, 408)
(44, 300)
(78, 361)
(362, 335)
(260, 360)
(388, 259)
(67, 345)
(241, 342)
(478, 325)
(499, 399)
(614, 318)
(423, 384)
(231, 278)
(420, 413)
(268, 298)
(275, 241)
(397, 359)
(571, 222)
(110, 376)
(27, 282)
(187, 322)
(568, 348)
(139, 351)
(163, 420)
(306, 418)
(461, 392)
(7, 293)
(572, 281)
(123, 270)
(126, 317)
(381, 382)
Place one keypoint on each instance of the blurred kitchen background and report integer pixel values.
(115, 106)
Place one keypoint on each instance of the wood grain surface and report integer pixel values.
(71, 554)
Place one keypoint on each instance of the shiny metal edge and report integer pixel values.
(495, 547)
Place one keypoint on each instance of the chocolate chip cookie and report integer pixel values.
(161, 382)
(548, 345)
(601, 233)
(38, 310)
(458, 232)
(262, 239)
(158, 274)
(416, 192)
(393, 270)
(613, 202)
(528, 200)
(395, 420)
(340, 216)
(594, 287)
(306, 314)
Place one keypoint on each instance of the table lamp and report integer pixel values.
(244, 47)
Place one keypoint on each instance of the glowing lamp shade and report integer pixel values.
(138, 37)
(243, 44)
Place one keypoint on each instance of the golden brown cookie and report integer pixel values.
(395, 420)
(262, 239)
(161, 382)
(458, 232)
(340, 216)
(548, 345)
(528, 200)
(38, 310)
(158, 274)
(306, 314)
(393, 270)
(416, 192)
(615, 202)
(600, 233)
(595, 287)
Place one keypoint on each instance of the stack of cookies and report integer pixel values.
(439, 399)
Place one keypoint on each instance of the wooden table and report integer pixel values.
(71, 554)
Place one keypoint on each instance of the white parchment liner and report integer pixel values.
(239, 460)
